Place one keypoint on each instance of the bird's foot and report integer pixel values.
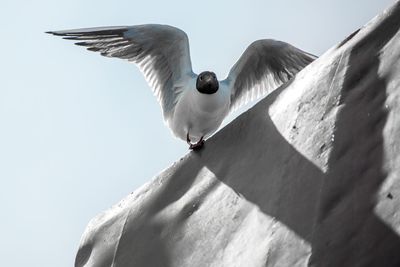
(195, 146)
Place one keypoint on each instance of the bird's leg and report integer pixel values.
(188, 139)
(195, 146)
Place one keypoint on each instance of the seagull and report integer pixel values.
(193, 105)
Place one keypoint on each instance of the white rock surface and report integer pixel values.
(310, 176)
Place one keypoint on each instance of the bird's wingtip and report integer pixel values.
(56, 33)
(51, 32)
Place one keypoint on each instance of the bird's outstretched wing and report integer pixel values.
(264, 66)
(160, 51)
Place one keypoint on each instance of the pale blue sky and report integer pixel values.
(79, 131)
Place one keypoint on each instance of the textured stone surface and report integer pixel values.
(310, 176)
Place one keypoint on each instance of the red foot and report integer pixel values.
(196, 146)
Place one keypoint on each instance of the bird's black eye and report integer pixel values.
(201, 77)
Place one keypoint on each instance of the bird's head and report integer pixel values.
(207, 83)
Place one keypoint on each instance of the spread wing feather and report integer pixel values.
(264, 66)
(160, 51)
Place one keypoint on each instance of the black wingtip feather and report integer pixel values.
(71, 38)
(81, 43)
(94, 49)
(54, 33)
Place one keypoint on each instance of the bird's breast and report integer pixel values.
(210, 104)
(200, 114)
